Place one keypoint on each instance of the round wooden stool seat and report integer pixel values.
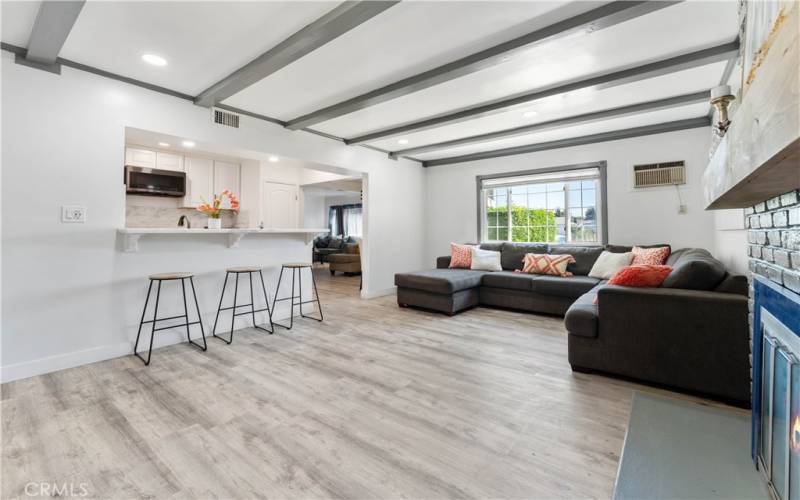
(170, 276)
(296, 265)
(243, 269)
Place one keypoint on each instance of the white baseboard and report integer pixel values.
(58, 362)
(378, 293)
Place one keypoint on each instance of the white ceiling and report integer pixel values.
(407, 39)
(600, 52)
(206, 41)
(638, 120)
(569, 104)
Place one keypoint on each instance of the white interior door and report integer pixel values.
(279, 205)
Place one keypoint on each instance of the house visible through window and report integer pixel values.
(563, 206)
(345, 220)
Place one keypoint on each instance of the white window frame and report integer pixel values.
(552, 174)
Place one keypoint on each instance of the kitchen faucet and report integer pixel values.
(184, 219)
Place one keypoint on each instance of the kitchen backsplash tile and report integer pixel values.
(143, 216)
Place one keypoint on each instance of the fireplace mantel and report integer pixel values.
(759, 157)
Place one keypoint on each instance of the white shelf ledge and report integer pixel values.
(132, 235)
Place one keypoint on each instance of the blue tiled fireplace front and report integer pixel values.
(776, 387)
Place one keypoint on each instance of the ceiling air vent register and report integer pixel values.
(225, 118)
(659, 174)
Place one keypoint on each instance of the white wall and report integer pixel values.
(641, 216)
(69, 294)
(314, 214)
(730, 239)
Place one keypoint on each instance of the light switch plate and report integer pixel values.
(73, 213)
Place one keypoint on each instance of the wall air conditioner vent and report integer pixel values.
(659, 174)
(226, 118)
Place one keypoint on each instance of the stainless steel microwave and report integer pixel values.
(154, 182)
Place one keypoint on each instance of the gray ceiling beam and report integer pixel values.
(630, 75)
(614, 135)
(588, 22)
(596, 116)
(343, 18)
(54, 21)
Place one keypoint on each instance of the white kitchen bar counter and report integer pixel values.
(131, 235)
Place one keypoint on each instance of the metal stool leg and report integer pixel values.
(253, 310)
(233, 310)
(153, 330)
(186, 310)
(300, 286)
(141, 321)
(266, 297)
(316, 299)
(199, 318)
(219, 307)
(275, 300)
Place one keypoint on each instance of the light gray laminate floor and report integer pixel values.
(376, 402)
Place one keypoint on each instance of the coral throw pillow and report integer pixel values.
(641, 276)
(460, 256)
(650, 256)
(542, 263)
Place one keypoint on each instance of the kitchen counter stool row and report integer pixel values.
(295, 268)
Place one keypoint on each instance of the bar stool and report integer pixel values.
(297, 268)
(236, 271)
(169, 277)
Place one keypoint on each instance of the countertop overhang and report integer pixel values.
(131, 235)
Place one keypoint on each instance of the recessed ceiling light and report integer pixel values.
(273, 159)
(163, 144)
(402, 141)
(529, 114)
(188, 144)
(154, 60)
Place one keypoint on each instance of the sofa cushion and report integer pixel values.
(694, 269)
(492, 247)
(581, 318)
(677, 254)
(624, 249)
(514, 253)
(569, 286)
(440, 280)
(733, 283)
(585, 256)
(508, 280)
(342, 258)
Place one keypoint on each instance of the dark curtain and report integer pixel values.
(336, 219)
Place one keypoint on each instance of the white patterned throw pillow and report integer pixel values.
(485, 260)
(609, 263)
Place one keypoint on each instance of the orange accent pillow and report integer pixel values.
(641, 276)
(460, 256)
(542, 263)
(650, 256)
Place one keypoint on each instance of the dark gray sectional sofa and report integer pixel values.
(691, 333)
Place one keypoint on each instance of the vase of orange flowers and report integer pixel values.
(214, 209)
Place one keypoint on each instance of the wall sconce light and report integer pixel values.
(721, 98)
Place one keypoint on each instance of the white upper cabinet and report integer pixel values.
(199, 181)
(169, 161)
(227, 176)
(136, 157)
